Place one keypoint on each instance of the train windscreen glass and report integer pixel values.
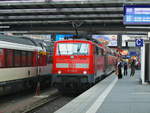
(73, 49)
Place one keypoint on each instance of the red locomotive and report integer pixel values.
(78, 64)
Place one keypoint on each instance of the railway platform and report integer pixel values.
(113, 95)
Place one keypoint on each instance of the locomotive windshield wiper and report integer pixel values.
(67, 49)
(79, 48)
(59, 50)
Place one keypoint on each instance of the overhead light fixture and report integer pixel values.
(4, 26)
(138, 27)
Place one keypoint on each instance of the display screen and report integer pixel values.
(137, 14)
(109, 40)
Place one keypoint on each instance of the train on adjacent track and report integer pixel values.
(23, 62)
(78, 64)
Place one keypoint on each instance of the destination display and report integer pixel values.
(135, 14)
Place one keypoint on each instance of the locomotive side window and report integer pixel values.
(17, 58)
(9, 58)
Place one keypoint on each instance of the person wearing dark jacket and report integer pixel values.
(132, 68)
(125, 68)
(119, 65)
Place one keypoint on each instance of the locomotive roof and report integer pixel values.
(17, 39)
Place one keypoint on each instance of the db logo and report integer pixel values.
(71, 66)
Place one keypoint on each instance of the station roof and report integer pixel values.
(52, 16)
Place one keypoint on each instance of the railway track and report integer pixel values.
(25, 101)
(36, 105)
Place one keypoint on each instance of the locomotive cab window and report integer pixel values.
(73, 49)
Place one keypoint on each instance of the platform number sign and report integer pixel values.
(139, 42)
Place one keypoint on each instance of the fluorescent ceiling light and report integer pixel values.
(138, 27)
(4, 26)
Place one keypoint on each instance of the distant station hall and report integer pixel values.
(74, 56)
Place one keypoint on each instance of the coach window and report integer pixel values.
(9, 58)
(1, 58)
(17, 58)
(23, 58)
(29, 58)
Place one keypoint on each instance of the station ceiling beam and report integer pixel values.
(63, 17)
(63, 4)
(53, 15)
(66, 11)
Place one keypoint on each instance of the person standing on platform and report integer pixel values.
(119, 65)
(132, 68)
(125, 68)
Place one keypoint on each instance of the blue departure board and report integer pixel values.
(137, 14)
(62, 36)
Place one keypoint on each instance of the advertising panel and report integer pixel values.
(109, 40)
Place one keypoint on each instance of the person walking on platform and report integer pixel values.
(132, 68)
(125, 68)
(119, 71)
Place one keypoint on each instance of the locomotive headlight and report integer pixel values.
(59, 72)
(84, 72)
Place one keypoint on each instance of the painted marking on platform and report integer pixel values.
(101, 98)
(141, 93)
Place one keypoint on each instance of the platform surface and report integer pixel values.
(126, 95)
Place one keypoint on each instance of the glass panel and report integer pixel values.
(30, 58)
(73, 49)
(1, 58)
(9, 58)
(17, 58)
(24, 58)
